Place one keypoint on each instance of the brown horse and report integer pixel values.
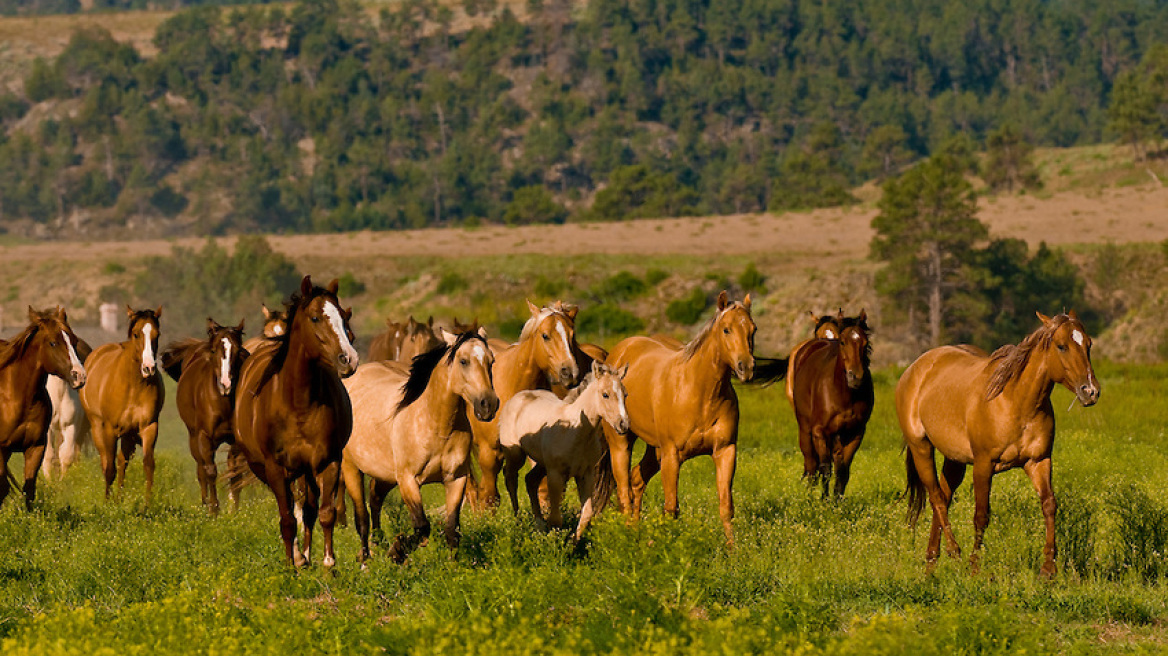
(826, 326)
(410, 428)
(992, 412)
(206, 371)
(402, 341)
(275, 325)
(293, 416)
(682, 404)
(545, 354)
(47, 346)
(831, 390)
(124, 397)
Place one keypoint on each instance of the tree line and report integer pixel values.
(325, 116)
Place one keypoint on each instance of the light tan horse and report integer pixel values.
(682, 404)
(410, 429)
(402, 341)
(546, 353)
(563, 437)
(992, 412)
(124, 397)
(47, 346)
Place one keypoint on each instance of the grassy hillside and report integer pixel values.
(79, 575)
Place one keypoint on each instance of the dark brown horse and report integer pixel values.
(46, 346)
(124, 397)
(402, 341)
(293, 416)
(206, 371)
(992, 412)
(831, 390)
(682, 404)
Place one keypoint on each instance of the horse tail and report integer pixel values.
(604, 482)
(174, 355)
(914, 489)
(769, 370)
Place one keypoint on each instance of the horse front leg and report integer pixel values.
(534, 479)
(845, 453)
(725, 463)
(236, 467)
(106, 445)
(330, 488)
(355, 486)
(670, 476)
(125, 452)
(411, 494)
(455, 493)
(276, 479)
(204, 455)
(489, 457)
(32, 463)
(1040, 473)
(149, 436)
(555, 493)
(51, 463)
(513, 459)
(620, 449)
(983, 473)
(309, 511)
(820, 440)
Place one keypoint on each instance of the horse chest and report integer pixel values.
(24, 428)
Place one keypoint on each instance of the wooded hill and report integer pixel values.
(324, 117)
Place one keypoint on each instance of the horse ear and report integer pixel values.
(32, 314)
(129, 310)
(595, 368)
(624, 371)
(572, 311)
(746, 302)
(430, 321)
(812, 317)
(62, 317)
(411, 324)
(240, 326)
(306, 285)
(333, 286)
(1045, 319)
(211, 326)
(267, 312)
(448, 337)
(158, 312)
(1072, 314)
(482, 331)
(347, 312)
(863, 315)
(532, 308)
(723, 300)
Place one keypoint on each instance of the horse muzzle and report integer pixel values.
(854, 380)
(148, 370)
(347, 364)
(744, 369)
(1088, 394)
(622, 427)
(568, 376)
(77, 378)
(485, 407)
(224, 390)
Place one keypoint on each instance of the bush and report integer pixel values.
(751, 279)
(168, 201)
(451, 282)
(655, 277)
(687, 309)
(607, 321)
(550, 288)
(349, 285)
(621, 286)
(534, 204)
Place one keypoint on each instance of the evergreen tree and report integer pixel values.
(1009, 162)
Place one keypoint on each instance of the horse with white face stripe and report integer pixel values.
(410, 428)
(293, 416)
(124, 398)
(206, 371)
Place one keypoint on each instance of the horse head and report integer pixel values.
(322, 325)
(226, 352)
(610, 395)
(470, 361)
(457, 327)
(143, 334)
(1069, 361)
(418, 337)
(57, 345)
(733, 329)
(827, 326)
(855, 350)
(275, 322)
(553, 329)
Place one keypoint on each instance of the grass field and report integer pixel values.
(84, 576)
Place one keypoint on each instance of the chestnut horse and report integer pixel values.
(124, 397)
(206, 371)
(402, 341)
(545, 354)
(563, 437)
(682, 404)
(830, 387)
(826, 326)
(275, 325)
(47, 346)
(992, 412)
(293, 416)
(410, 428)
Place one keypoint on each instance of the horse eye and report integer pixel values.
(53, 343)
(463, 361)
(315, 319)
(606, 395)
(726, 331)
(546, 337)
(1062, 347)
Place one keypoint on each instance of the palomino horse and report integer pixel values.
(47, 346)
(564, 439)
(410, 428)
(293, 416)
(682, 404)
(992, 412)
(831, 391)
(206, 371)
(545, 354)
(124, 397)
(275, 325)
(402, 341)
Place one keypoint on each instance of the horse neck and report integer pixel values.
(298, 373)
(1033, 386)
(584, 405)
(524, 373)
(705, 368)
(25, 375)
(442, 405)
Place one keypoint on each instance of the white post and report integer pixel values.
(109, 317)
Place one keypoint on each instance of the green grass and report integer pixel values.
(81, 575)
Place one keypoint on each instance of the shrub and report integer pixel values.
(534, 204)
(548, 287)
(687, 309)
(349, 285)
(655, 276)
(621, 286)
(608, 320)
(751, 279)
(451, 282)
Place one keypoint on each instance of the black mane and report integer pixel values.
(423, 365)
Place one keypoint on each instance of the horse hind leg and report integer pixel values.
(52, 463)
(5, 476)
(926, 470)
(821, 441)
(355, 487)
(513, 459)
(204, 455)
(32, 463)
(411, 495)
(534, 479)
(331, 488)
(378, 490)
(640, 476)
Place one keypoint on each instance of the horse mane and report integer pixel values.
(291, 307)
(690, 349)
(423, 365)
(175, 355)
(1011, 359)
(548, 310)
(13, 349)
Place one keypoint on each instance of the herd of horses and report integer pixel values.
(430, 405)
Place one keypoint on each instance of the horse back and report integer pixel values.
(938, 394)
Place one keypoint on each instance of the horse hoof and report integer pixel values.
(328, 561)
